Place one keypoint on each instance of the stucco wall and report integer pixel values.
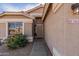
(71, 32)
(28, 29)
(12, 18)
(39, 10)
(54, 31)
(2, 30)
(59, 33)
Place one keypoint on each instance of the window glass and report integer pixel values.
(15, 27)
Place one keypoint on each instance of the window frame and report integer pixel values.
(14, 22)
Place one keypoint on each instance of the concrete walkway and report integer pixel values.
(40, 48)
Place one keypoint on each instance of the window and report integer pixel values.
(14, 28)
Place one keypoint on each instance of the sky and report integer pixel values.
(16, 6)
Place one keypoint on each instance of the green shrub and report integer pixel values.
(17, 40)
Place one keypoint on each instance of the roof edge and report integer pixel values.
(16, 13)
(46, 6)
(55, 9)
(37, 7)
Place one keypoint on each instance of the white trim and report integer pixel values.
(23, 27)
(6, 29)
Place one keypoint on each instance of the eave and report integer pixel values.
(16, 14)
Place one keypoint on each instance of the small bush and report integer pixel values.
(17, 40)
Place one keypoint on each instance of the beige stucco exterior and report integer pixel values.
(5, 19)
(2, 30)
(38, 10)
(61, 35)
